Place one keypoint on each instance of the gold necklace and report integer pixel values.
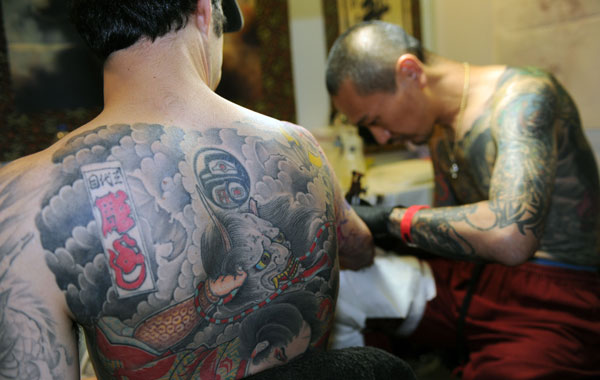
(454, 169)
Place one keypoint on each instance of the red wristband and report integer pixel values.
(406, 221)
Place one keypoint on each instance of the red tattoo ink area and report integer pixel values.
(119, 229)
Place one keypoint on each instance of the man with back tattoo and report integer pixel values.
(513, 237)
(188, 237)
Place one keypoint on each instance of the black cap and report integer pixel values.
(234, 21)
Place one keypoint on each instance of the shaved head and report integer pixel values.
(366, 54)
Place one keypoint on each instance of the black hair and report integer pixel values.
(366, 54)
(279, 323)
(110, 25)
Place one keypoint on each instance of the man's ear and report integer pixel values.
(203, 15)
(409, 67)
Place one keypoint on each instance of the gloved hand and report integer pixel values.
(375, 217)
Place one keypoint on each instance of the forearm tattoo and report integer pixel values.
(436, 231)
(189, 254)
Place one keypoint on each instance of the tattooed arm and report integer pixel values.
(508, 226)
(356, 246)
(357, 249)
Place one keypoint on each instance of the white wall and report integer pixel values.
(307, 35)
(557, 35)
(458, 29)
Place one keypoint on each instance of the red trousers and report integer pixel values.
(527, 322)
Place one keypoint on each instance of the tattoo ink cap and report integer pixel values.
(234, 21)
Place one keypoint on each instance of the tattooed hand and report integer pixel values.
(375, 217)
(357, 248)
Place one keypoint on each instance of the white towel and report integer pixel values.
(393, 287)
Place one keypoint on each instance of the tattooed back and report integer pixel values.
(182, 252)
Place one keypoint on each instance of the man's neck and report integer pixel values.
(158, 77)
(445, 80)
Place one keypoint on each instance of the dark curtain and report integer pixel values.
(5, 93)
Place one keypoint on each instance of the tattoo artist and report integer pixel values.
(513, 234)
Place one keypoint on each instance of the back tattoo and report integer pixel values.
(190, 254)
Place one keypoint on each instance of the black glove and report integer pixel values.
(375, 217)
